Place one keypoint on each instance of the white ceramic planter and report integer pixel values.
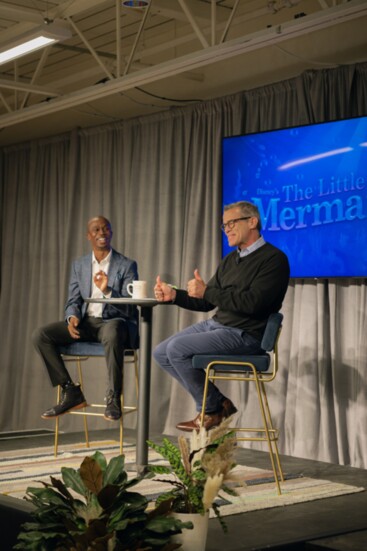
(195, 539)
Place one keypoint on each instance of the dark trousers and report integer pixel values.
(113, 334)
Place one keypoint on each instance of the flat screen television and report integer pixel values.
(310, 185)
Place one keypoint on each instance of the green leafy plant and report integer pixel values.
(92, 508)
(199, 469)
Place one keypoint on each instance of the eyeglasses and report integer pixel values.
(231, 223)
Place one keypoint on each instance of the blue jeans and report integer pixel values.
(174, 355)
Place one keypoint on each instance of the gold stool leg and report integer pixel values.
(205, 394)
(270, 424)
(86, 432)
(267, 433)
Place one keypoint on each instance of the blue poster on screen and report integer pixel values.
(310, 185)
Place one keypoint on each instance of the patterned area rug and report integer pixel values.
(23, 468)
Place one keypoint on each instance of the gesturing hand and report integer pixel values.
(164, 292)
(196, 287)
(101, 280)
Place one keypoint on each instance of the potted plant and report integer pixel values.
(92, 508)
(199, 469)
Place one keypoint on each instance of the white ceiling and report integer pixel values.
(122, 62)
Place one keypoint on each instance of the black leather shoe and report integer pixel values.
(71, 398)
(113, 409)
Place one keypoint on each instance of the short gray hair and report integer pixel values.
(247, 209)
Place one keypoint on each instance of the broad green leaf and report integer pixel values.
(115, 471)
(44, 496)
(101, 460)
(120, 524)
(73, 480)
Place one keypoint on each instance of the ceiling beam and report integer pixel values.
(13, 13)
(136, 41)
(90, 48)
(26, 87)
(7, 106)
(37, 72)
(27, 19)
(228, 24)
(193, 23)
(171, 10)
(267, 37)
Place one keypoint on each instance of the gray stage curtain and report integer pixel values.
(158, 180)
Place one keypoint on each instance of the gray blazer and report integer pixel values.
(122, 271)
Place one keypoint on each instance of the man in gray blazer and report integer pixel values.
(102, 273)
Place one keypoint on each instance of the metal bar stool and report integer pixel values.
(259, 369)
(80, 352)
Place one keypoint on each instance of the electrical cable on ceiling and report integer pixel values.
(167, 99)
(310, 62)
(106, 79)
(140, 102)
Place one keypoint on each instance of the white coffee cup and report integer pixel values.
(137, 289)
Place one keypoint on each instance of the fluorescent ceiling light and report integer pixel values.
(38, 38)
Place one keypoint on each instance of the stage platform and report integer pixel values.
(331, 524)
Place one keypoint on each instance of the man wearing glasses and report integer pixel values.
(249, 284)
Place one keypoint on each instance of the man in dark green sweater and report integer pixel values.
(249, 284)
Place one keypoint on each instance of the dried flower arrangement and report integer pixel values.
(201, 467)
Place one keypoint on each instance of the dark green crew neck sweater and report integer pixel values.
(245, 290)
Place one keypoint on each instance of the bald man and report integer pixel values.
(103, 273)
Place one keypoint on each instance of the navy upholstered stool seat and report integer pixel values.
(82, 349)
(261, 363)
